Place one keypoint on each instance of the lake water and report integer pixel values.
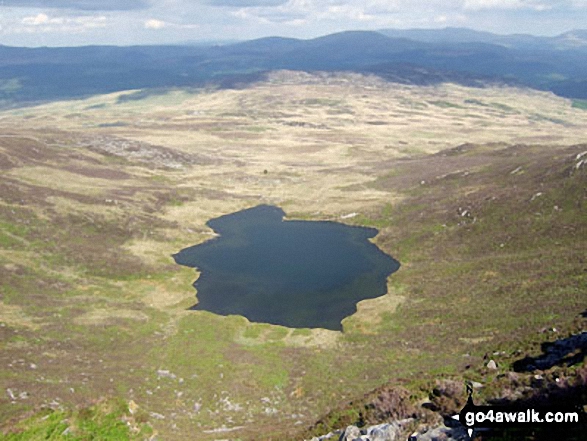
(299, 274)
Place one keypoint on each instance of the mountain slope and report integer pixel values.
(557, 64)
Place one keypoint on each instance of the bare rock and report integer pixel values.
(350, 434)
(164, 373)
(385, 432)
(132, 407)
(10, 393)
(442, 433)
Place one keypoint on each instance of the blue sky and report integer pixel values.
(125, 22)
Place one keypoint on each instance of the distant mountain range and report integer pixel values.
(464, 56)
(568, 40)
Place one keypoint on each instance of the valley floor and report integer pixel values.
(480, 193)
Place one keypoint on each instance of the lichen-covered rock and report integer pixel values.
(385, 432)
(350, 434)
(442, 433)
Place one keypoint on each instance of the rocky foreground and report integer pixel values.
(557, 376)
(396, 431)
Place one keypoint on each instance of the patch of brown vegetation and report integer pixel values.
(386, 403)
(95, 172)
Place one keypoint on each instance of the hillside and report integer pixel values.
(461, 56)
(480, 194)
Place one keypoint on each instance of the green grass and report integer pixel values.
(326, 102)
(445, 104)
(12, 234)
(257, 129)
(538, 117)
(580, 104)
(304, 332)
(476, 102)
(103, 422)
(504, 107)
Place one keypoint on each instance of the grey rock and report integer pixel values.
(324, 437)
(157, 416)
(350, 434)
(442, 433)
(385, 432)
(164, 373)
(492, 365)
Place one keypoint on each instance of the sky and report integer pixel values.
(130, 22)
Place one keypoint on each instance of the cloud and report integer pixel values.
(74, 22)
(154, 24)
(36, 20)
(44, 23)
(535, 5)
(246, 3)
(302, 12)
(84, 5)
(445, 19)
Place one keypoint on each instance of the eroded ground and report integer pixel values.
(97, 194)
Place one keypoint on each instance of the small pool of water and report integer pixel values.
(299, 274)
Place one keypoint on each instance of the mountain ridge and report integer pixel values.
(557, 64)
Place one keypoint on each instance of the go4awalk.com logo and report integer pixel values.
(488, 417)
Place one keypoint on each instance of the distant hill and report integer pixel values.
(446, 35)
(558, 64)
(571, 39)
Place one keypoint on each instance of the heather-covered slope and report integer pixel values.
(478, 192)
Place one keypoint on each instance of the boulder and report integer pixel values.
(442, 433)
(350, 434)
(385, 432)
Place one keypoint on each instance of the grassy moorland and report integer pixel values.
(479, 193)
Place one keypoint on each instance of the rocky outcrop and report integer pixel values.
(396, 431)
(549, 381)
(381, 432)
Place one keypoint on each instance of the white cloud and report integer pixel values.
(165, 21)
(84, 5)
(536, 5)
(155, 24)
(298, 12)
(245, 3)
(36, 20)
(382, 6)
(296, 22)
(450, 19)
(44, 23)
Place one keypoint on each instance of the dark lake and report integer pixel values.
(299, 274)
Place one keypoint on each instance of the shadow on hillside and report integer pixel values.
(567, 392)
(417, 75)
(563, 352)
